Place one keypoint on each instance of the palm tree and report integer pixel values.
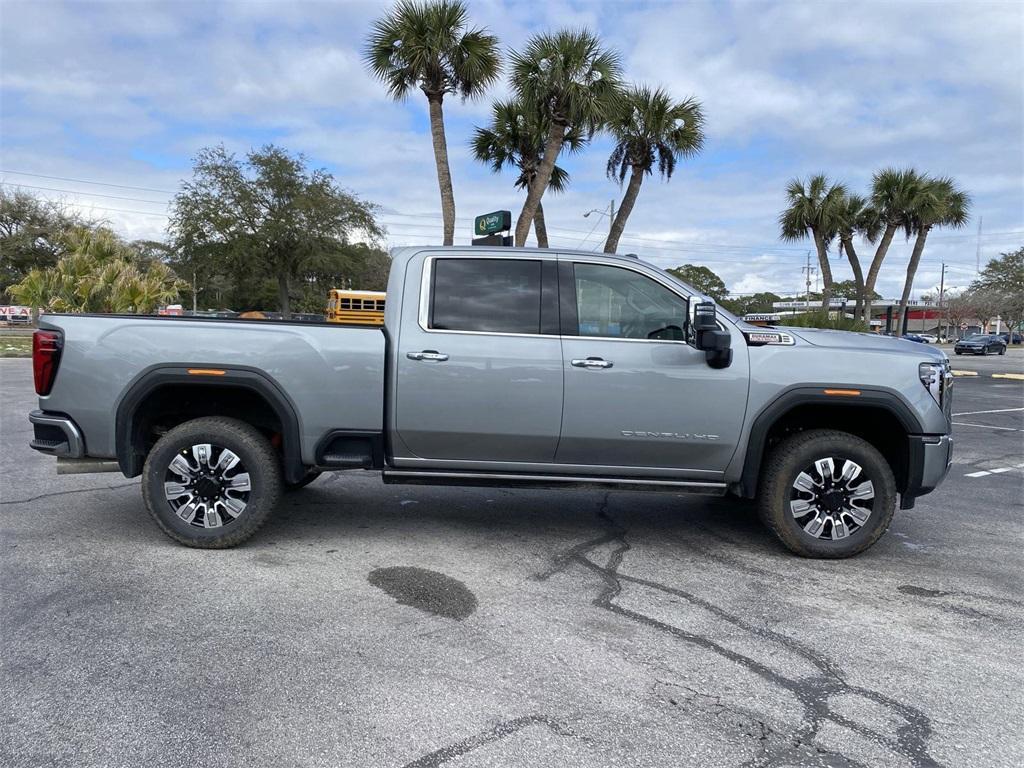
(35, 290)
(647, 127)
(855, 217)
(940, 204)
(516, 138)
(427, 45)
(893, 196)
(573, 83)
(813, 211)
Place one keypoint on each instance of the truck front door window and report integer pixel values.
(486, 295)
(618, 303)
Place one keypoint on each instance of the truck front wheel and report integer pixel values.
(826, 494)
(211, 482)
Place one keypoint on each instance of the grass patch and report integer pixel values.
(15, 346)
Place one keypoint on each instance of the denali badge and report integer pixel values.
(675, 435)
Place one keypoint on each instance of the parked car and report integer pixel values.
(929, 338)
(915, 337)
(980, 344)
(1011, 338)
(502, 367)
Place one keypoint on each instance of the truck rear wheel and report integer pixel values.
(211, 482)
(826, 494)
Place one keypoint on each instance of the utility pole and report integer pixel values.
(807, 282)
(942, 290)
(193, 291)
(610, 213)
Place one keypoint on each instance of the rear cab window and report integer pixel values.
(493, 295)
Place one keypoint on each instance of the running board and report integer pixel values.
(513, 480)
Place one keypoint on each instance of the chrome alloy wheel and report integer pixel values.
(830, 499)
(207, 486)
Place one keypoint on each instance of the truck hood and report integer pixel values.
(873, 341)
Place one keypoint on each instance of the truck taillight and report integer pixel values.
(46, 346)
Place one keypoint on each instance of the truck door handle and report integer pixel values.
(592, 362)
(427, 354)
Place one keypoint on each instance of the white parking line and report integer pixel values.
(997, 410)
(996, 471)
(985, 426)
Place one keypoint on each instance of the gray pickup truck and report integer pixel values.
(504, 367)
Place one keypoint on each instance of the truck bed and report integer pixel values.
(332, 374)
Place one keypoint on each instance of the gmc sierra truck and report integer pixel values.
(505, 367)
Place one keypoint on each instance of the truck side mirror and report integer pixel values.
(709, 338)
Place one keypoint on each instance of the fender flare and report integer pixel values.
(795, 397)
(131, 461)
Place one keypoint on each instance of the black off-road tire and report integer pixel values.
(307, 478)
(1002, 350)
(789, 458)
(256, 455)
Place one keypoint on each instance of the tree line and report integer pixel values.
(244, 233)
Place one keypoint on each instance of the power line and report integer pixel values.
(91, 194)
(86, 181)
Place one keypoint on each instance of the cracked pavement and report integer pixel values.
(618, 629)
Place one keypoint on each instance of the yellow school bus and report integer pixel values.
(355, 307)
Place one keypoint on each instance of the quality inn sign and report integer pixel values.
(489, 223)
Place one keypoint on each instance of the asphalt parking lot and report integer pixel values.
(550, 629)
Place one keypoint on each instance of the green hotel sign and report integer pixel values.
(489, 223)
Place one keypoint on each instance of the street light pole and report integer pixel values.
(942, 290)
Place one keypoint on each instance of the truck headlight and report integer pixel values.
(936, 378)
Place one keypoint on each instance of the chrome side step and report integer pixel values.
(514, 480)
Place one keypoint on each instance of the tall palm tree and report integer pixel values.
(813, 212)
(427, 45)
(894, 194)
(854, 216)
(648, 126)
(940, 204)
(574, 83)
(516, 138)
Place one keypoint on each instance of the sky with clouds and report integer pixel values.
(125, 93)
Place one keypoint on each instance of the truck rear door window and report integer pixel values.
(487, 295)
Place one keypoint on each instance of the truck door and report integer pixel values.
(479, 360)
(636, 393)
